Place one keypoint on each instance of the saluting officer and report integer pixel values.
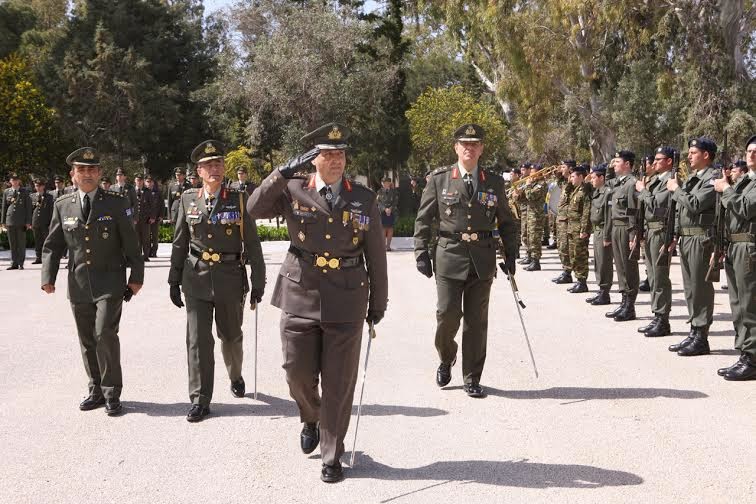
(213, 238)
(696, 201)
(623, 212)
(96, 227)
(562, 221)
(241, 183)
(332, 279)
(656, 200)
(740, 264)
(602, 236)
(42, 204)
(175, 190)
(16, 219)
(579, 227)
(535, 193)
(469, 204)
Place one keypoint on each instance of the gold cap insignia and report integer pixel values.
(616, 154)
(659, 149)
(334, 134)
(470, 131)
(88, 154)
(694, 143)
(209, 148)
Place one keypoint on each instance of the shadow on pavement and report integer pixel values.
(587, 393)
(520, 473)
(269, 406)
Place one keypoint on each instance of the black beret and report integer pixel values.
(517, 171)
(536, 166)
(750, 141)
(525, 165)
(87, 156)
(207, 151)
(625, 155)
(600, 169)
(740, 164)
(582, 169)
(667, 151)
(331, 136)
(470, 133)
(569, 162)
(704, 144)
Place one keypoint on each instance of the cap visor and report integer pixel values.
(209, 158)
(469, 139)
(85, 163)
(331, 146)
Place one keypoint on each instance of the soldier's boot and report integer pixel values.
(662, 328)
(644, 286)
(745, 371)
(564, 278)
(592, 298)
(535, 265)
(651, 324)
(613, 313)
(552, 246)
(602, 298)
(629, 312)
(525, 260)
(687, 341)
(699, 345)
(580, 287)
(723, 371)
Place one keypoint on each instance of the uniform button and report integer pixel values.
(210, 250)
(469, 216)
(86, 227)
(275, 178)
(86, 238)
(327, 237)
(326, 254)
(88, 251)
(325, 271)
(209, 236)
(355, 231)
(89, 262)
(362, 284)
(330, 219)
(469, 228)
(469, 205)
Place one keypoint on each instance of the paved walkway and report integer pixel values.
(614, 416)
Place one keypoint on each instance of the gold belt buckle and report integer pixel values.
(334, 263)
(206, 256)
(466, 237)
(474, 237)
(215, 257)
(320, 261)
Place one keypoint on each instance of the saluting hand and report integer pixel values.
(293, 165)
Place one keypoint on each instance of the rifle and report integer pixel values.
(720, 226)
(641, 218)
(669, 232)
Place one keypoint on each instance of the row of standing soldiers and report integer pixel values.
(710, 218)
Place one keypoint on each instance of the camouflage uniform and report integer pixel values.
(579, 222)
(535, 194)
(563, 240)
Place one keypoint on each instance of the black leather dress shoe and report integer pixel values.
(745, 371)
(197, 413)
(443, 374)
(238, 388)
(651, 324)
(644, 286)
(37, 261)
(309, 438)
(474, 390)
(533, 265)
(13, 267)
(113, 407)
(91, 402)
(723, 371)
(332, 473)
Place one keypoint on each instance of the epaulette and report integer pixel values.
(192, 190)
(63, 196)
(361, 186)
(443, 169)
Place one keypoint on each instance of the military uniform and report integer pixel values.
(695, 220)
(42, 204)
(334, 271)
(740, 266)
(535, 195)
(16, 217)
(623, 212)
(212, 236)
(562, 228)
(468, 213)
(143, 212)
(158, 210)
(175, 189)
(101, 247)
(127, 190)
(601, 223)
(579, 222)
(247, 187)
(655, 202)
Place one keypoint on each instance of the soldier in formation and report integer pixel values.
(42, 203)
(15, 219)
(143, 214)
(601, 222)
(175, 190)
(579, 227)
(562, 221)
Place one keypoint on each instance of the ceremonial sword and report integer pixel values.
(371, 334)
(520, 305)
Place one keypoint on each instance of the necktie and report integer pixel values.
(87, 207)
(469, 184)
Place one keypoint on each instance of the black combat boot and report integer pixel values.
(699, 345)
(629, 312)
(616, 311)
(687, 341)
(745, 371)
(525, 260)
(723, 371)
(646, 328)
(564, 278)
(580, 287)
(535, 265)
(662, 328)
(602, 298)
(645, 286)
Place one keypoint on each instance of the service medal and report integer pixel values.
(448, 211)
(105, 235)
(355, 240)
(301, 236)
(228, 231)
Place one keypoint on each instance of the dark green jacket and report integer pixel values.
(695, 201)
(579, 210)
(624, 204)
(175, 190)
(740, 201)
(42, 209)
(16, 207)
(99, 250)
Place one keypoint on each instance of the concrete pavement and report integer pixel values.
(614, 417)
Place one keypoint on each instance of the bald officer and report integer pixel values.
(332, 280)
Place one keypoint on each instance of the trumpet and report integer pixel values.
(540, 174)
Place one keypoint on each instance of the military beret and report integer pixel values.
(740, 164)
(581, 169)
(13, 175)
(536, 166)
(750, 141)
(87, 156)
(179, 170)
(704, 144)
(39, 181)
(517, 171)
(241, 169)
(138, 176)
(525, 165)
(667, 151)
(120, 171)
(331, 136)
(625, 155)
(207, 151)
(469, 133)
(58, 178)
(600, 169)
(569, 162)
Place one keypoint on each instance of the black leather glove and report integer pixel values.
(424, 265)
(374, 316)
(128, 294)
(509, 264)
(176, 296)
(293, 165)
(256, 295)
